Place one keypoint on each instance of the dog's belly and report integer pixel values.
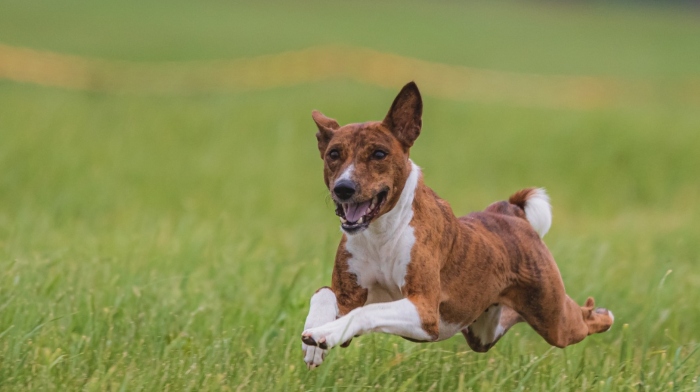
(377, 293)
(448, 330)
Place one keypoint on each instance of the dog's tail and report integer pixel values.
(538, 211)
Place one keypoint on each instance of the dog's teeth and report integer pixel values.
(343, 220)
(361, 220)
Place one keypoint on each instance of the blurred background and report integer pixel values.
(163, 218)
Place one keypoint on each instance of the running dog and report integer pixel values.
(407, 266)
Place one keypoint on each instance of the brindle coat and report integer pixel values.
(459, 267)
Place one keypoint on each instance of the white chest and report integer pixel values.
(381, 254)
(380, 263)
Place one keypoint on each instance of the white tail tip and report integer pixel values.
(538, 211)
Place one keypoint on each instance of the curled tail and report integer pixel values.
(538, 211)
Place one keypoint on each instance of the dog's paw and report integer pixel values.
(327, 336)
(606, 318)
(313, 355)
(315, 350)
(599, 320)
(315, 344)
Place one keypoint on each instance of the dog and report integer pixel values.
(407, 266)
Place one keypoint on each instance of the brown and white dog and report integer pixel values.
(407, 266)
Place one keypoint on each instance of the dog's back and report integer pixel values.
(530, 204)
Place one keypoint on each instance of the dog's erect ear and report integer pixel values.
(404, 117)
(326, 128)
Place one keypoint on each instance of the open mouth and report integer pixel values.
(357, 216)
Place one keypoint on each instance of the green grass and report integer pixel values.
(172, 243)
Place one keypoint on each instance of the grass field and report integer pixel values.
(172, 242)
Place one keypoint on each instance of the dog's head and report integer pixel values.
(366, 165)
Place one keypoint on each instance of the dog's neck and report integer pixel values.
(394, 222)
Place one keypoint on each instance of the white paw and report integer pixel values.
(313, 356)
(327, 336)
(323, 310)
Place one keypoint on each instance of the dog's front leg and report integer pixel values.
(323, 310)
(398, 318)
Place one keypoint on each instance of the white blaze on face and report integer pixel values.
(347, 174)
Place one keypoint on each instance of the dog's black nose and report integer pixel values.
(344, 189)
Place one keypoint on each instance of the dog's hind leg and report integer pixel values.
(543, 303)
(488, 328)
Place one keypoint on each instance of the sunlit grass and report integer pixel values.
(172, 243)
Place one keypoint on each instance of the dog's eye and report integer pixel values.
(379, 154)
(334, 154)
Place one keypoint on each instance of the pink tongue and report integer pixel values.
(353, 211)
